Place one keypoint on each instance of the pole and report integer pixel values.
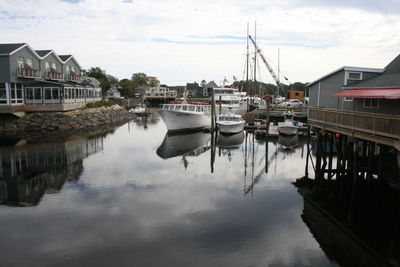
(255, 61)
(247, 61)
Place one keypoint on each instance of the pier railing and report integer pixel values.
(362, 122)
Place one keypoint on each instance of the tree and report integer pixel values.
(112, 79)
(101, 76)
(128, 88)
(139, 79)
(153, 81)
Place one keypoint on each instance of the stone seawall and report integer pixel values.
(70, 120)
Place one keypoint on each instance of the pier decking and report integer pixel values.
(383, 129)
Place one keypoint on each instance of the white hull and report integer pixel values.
(180, 120)
(287, 129)
(190, 144)
(230, 127)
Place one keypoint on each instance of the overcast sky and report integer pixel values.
(182, 41)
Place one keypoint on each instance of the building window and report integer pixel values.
(20, 62)
(370, 103)
(3, 93)
(348, 99)
(54, 66)
(47, 66)
(354, 75)
(29, 62)
(33, 93)
(67, 70)
(73, 69)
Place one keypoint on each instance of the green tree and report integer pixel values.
(101, 76)
(153, 81)
(139, 79)
(128, 88)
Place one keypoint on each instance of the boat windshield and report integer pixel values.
(229, 118)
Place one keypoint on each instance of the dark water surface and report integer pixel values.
(138, 197)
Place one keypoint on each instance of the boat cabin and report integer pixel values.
(188, 107)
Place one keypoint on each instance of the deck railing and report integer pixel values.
(53, 75)
(28, 73)
(371, 123)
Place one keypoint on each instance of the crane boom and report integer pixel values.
(278, 84)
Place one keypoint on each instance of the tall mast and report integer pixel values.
(255, 59)
(279, 82)
(247, 60)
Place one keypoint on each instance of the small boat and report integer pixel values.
(139, 111)
(180, 116)
(287, 127)
(230, 123)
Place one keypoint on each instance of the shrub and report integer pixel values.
(101, 103)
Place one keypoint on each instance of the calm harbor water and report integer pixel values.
(135, 196)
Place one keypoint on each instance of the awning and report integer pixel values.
(392, 93)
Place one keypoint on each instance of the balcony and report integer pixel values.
(54, 75)
(72, 77)
(28, 72)
(370, 126)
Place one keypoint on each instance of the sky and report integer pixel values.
(181, 41)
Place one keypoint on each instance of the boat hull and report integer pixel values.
(180, 121)
(230, 128)
(288, 129)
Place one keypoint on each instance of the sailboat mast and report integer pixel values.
(255, 59)
(277, 87)
(247, 60)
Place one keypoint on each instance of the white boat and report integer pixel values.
(230, 99)
(139, 111)
(287, 127)
(184, 115)
(230, 123)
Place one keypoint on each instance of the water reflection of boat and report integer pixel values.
(230, 141)
(184, 144)
(288, 141)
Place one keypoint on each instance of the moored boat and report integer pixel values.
(230, 123)
(287, 127)
(179, 116)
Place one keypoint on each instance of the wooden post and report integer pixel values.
(318, 161)
(220, 105)
(308, 151)
(330, 156)
(212, 111)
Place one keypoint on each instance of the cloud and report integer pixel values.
(185, 36)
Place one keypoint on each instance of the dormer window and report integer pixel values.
(354, 75)
(47, 66)
(73, 69)
(20, 62)
(67, 69)
(29, 62)
(54, 66)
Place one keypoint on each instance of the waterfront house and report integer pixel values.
(113, 92)
(208, 87)
(194, 89)
(359, 102)
(40, 80)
